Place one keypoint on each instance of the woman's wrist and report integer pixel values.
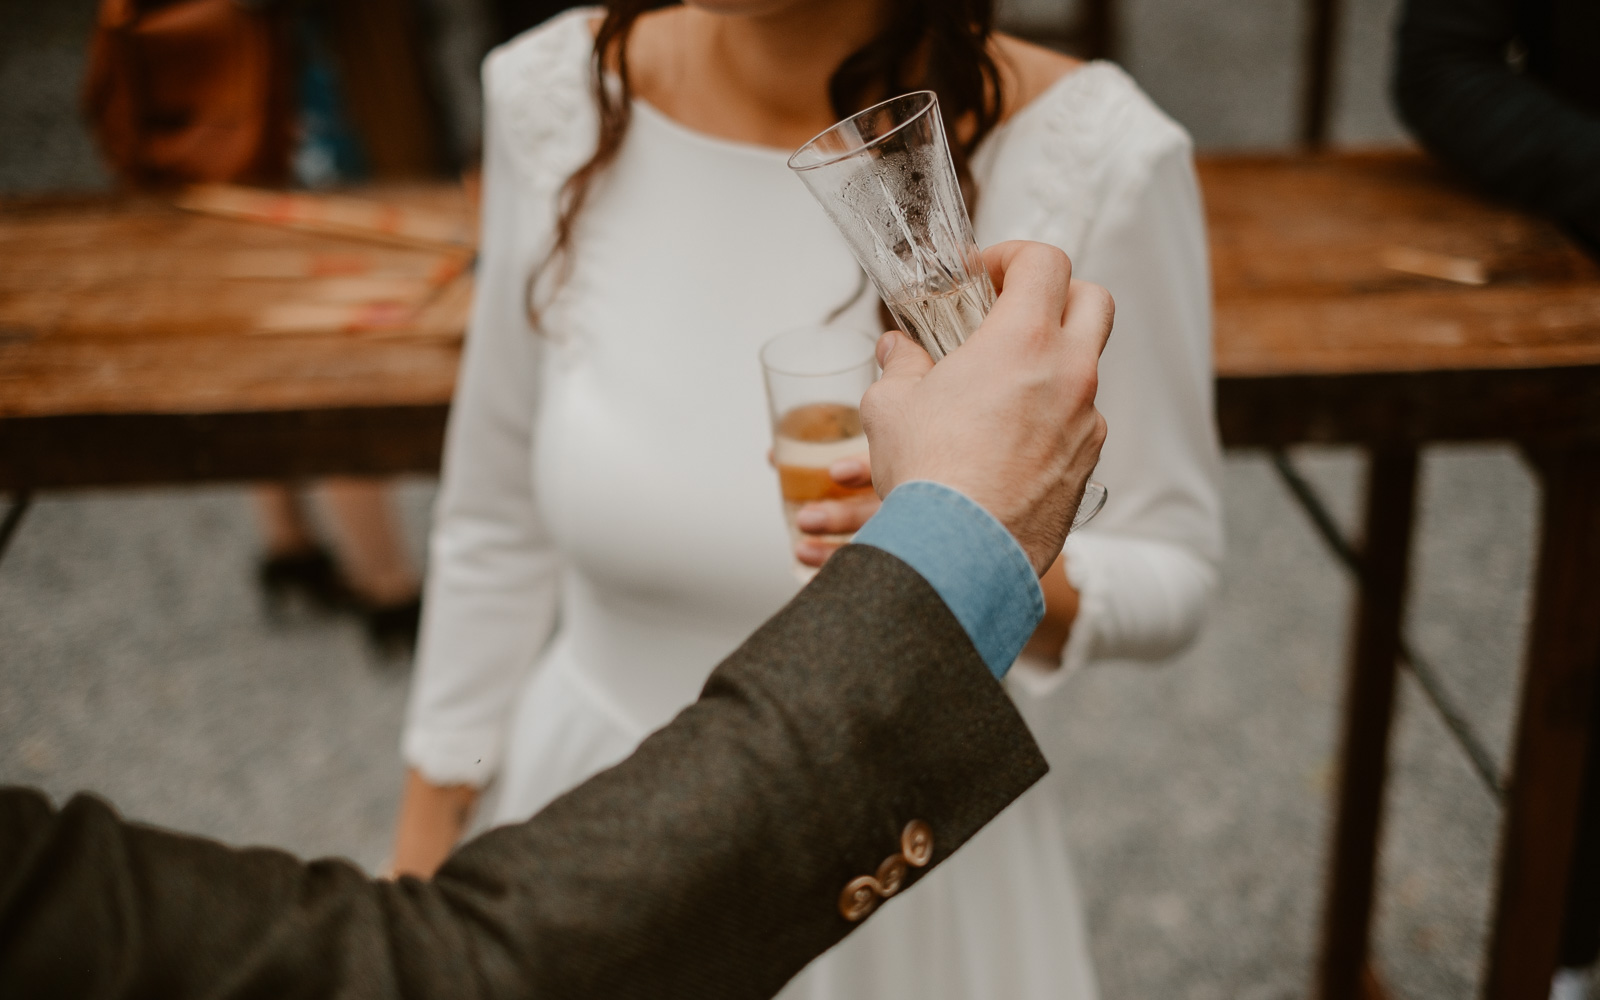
(1061, 601)
(432, 819)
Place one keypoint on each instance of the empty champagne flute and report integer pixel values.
(886, 179)
(815, 379)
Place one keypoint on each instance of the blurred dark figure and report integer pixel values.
(210, 90)
(192, 91)
(317, 93)
(513, 17)
(1508, 91)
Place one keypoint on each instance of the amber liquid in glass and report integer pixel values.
(807, 440)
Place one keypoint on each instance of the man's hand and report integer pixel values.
(1008, 418)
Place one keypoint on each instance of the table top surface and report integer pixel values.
(1382, 262)
(1338, 264)
(136, 306)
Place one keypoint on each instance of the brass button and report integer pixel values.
(859, 898)
(892, 875)
(916, 843)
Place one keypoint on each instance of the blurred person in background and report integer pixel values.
(1508, 93)
(607, 525)
(261, 93)
(373, 575)
(513, 17)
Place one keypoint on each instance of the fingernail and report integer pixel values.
(886, 345)
(846, 468)
(811, 519)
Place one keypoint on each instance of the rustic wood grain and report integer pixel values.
(382, 220)
(1320, 338)
(134, 307)
(1302, 253)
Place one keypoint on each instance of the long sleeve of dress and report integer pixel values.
(1513, 134)
(1147, 567)
(1096, 169)
(490, 601)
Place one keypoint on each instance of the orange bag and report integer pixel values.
(191, 90)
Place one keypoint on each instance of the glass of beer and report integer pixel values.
(815, 378)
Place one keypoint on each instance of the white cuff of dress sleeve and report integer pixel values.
(1088, 579)
(1039, 678)
(450, 758)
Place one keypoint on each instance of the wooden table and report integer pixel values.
(140, 343)
(1321, 338)
(1360, 300)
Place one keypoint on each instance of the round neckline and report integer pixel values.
(672, 124)
(755, 149)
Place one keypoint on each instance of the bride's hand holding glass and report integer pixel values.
(845, 517)
(828, 519)
(836, 517)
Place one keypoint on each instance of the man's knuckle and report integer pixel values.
(1040, 332)
(1063, 266)
(1061, 271)
(1089, 382)
(1079, 383)
(1050, 255)
(1106, 304)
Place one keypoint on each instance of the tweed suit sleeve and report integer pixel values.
(707, 865)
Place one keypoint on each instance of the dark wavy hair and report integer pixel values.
(938, 45)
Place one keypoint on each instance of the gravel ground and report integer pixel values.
(136, 659)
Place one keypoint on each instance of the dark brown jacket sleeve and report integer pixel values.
(707, 865)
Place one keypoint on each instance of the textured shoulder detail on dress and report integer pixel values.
(1096, 127)
(536, 88)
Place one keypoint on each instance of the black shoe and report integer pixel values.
(391, 628)
(310, 576)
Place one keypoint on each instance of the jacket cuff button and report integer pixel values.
(916, 843)
(892, 875)
(859, 898)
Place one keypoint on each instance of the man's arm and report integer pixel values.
(711, 863)
(1509, 132)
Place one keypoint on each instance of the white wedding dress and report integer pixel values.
(608, 527)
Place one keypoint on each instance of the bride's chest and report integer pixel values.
(652, 427)
(678, 277)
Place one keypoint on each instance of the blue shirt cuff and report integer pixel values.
(969, 558)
